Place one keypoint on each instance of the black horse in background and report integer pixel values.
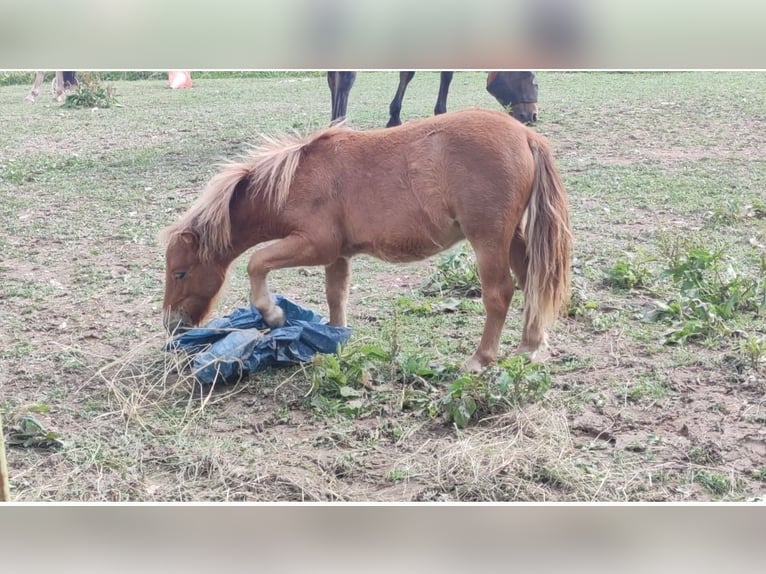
(515, 90)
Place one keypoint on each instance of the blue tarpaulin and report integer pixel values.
(231, 347)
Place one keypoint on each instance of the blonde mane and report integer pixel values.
(268, 170)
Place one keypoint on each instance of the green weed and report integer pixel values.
(710, 293)
(456, 274)
(714, 482)
(648, 389)
(754, 350)
(627, 274)
(90, 93)
(16, 78)
(397, 475)
(580, 303)
(515, 382)
(340, 383)
(730, 212)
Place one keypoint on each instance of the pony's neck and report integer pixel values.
(248, 230)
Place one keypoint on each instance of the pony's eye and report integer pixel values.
(179, 275)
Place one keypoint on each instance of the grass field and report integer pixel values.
(656, 390)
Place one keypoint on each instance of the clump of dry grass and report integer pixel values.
(155, 389)
(524, 455)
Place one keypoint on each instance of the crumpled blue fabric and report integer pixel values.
(229, 348)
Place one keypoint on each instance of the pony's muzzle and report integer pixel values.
(174, 322)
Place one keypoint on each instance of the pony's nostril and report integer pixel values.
(534, 117)
(174, 322)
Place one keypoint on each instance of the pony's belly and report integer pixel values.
(405, 250)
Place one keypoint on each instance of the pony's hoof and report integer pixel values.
(275, 317)
(472, 365)
(538, 355)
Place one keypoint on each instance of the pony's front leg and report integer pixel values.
(260, 298)
(292, 251)
(337, 276)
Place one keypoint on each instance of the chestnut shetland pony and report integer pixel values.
(399, 194)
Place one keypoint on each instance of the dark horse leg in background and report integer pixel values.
(70, 80)
(396, 104)
(340, 85)
(395, 108)
(441, 102)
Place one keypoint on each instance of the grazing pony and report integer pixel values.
(62, 82)
(515, 90)
(400, 194)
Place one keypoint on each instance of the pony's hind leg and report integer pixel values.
(518, 257)
(496, 294)
(337, 276)
(292, 251)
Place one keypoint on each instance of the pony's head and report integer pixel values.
(191, 282)
(205, 240)
(516, 91)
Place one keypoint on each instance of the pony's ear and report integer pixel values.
(190, 237)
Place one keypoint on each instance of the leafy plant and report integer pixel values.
(580, 304)
(29, 432)
(15, 78)
(710, 294)
(754, 350)
(339, 383)
(459, 403)
(90, 93)
(456, 274)
(523, 382)
(626, 274)
(515, 382)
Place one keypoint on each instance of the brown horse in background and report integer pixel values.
(515, 90)
(62, 82)
(400, 194)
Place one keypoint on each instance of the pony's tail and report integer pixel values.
(549, 248)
